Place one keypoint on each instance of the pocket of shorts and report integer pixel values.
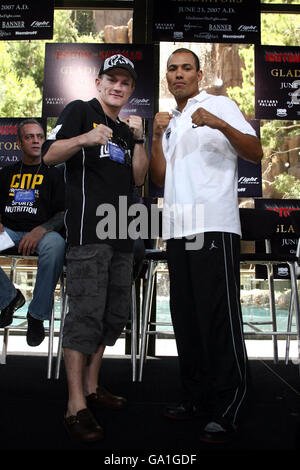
(122, 270)
(81, 274)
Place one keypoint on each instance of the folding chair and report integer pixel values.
(153, 257)
(261, 224)
(15, 259)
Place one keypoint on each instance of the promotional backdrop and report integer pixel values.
(249, 174)
(277, 82)
(71, 69)
(286, 245)
(26, 20)
(235, 21)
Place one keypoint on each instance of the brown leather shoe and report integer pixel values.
(83, 426)
(103, 398)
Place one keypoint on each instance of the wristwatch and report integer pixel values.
(139, 141)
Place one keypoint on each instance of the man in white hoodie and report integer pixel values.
(194, 156)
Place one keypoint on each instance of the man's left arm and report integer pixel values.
(139, 158)
(247, 146)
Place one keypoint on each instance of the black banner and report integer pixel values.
(249, 174)
(9, 150)
(285, 245)
(277, 82)
(71, 69)
(223, 21)
(26, 20)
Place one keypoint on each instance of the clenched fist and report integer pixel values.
(98, 135)
(202, 117)
(136, 125)
(161, 122)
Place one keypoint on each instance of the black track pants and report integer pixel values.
(206, 315)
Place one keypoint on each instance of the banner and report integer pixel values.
(249, 174)
(26, 20)
(285, 245)
(71, 69)
(9, 150)
(225, 21)
(277, 82)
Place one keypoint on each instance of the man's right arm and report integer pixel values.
(158, 161)
(62, 150)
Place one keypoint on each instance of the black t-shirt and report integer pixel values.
(97, 187)
(46, 195)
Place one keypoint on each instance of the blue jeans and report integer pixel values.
(51, 251)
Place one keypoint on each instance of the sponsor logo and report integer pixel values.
(207, 36)
(140, 101)
(247, 180)
(281, 112)
(12, 24)
(178, 35)
(164, 25)
(247, 29)
(40, 24)
(267, 102)
(282, 271)
(54, 100)
(233, 36)
(25, 33)
(220, 27)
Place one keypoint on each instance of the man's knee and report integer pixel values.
(53, 244)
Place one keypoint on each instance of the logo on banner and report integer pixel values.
(54, 100)
(248, 29)
(41, 24)
(140, 101)
(281, 112)
(247, 180)
(282, 271)
(178, 35)
(267, 102)
(220, 27)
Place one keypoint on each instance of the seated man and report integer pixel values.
(32, 211)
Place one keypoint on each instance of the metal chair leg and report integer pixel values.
(59, 348)
(289, 327)
(145, 316)
(4, 346)
(296, 303)
(273, 311)
(12, 277)
(50, 342)
(133, 332)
